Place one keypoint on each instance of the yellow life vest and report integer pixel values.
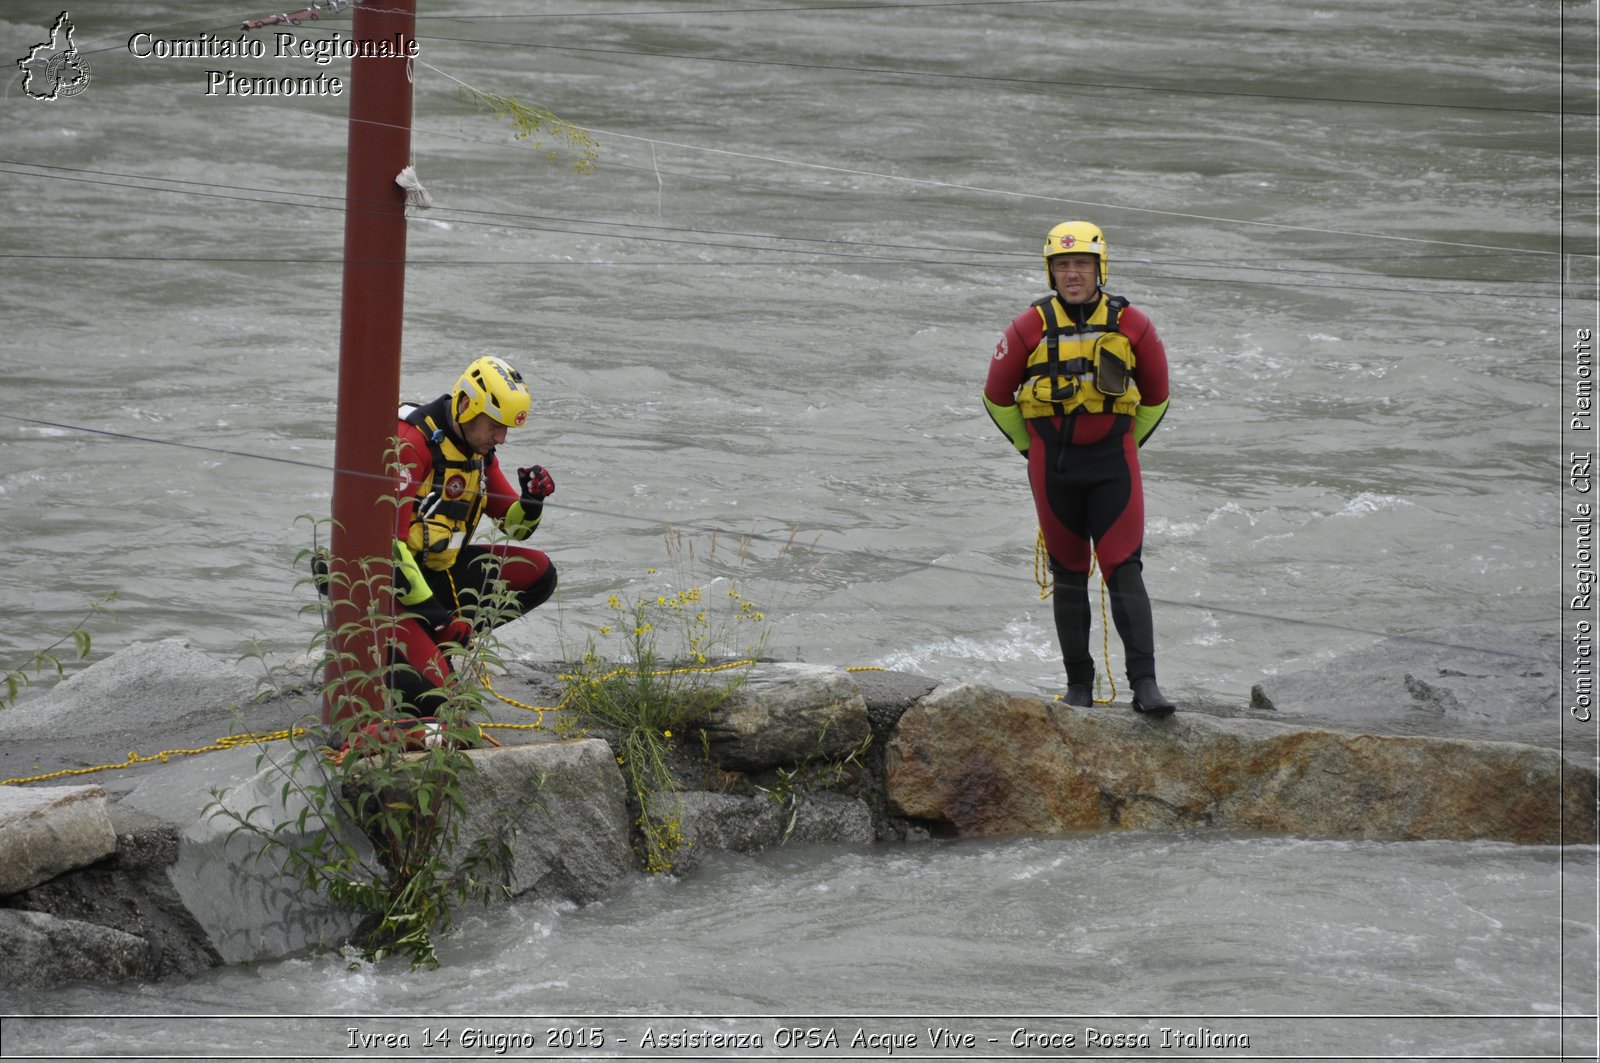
(1079, 367)
(450, 499)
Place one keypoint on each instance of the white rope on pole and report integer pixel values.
(416, 195)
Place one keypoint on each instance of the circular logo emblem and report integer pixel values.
(455, 486)
(68, 73)
(1068, 240)
(520, 418)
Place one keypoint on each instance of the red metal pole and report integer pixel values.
(369, 353)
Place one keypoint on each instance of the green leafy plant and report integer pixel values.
(48, 659)
(648, 677)
(394, 780)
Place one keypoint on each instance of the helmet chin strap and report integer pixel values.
(1079, 312)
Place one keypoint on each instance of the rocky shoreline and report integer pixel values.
(119, 875)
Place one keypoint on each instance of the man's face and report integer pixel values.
(483, 433)
(1076, 277)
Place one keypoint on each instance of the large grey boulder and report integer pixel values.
(236, 886)
(561, 809)
(130, 892)
(166, 681)
(739, 823)
(789, 714)
(43, 952)
(744, 823)
(46, 830)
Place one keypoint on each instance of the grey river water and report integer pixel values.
(760, 328)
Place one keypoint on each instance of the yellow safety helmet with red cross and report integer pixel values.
(1076, 238)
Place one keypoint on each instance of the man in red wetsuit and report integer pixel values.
(1078, 382)
(449, 478)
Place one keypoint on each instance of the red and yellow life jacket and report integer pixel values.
(450, 499)
(1086, 366)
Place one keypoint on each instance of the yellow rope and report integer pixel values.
(1043, 577)
(234, 741)
(134, 759)
(483, 674)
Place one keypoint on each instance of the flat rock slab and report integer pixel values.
(46, 830)
(975, 761)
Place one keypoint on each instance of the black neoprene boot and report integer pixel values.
(1148, 699)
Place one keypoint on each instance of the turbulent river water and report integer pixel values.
(757, 335)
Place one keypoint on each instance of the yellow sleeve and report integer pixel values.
(1145, 419)
(1009, 420)
(519, 523)
(416, 588)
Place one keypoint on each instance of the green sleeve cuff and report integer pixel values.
(518, 523)
(416, 589)
(1009, 419)
(1145, 419)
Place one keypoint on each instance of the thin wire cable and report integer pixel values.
(909, 564)
(1038, 83)
(505, 220)
(654, 142)
(1032, 83)
(763, 11)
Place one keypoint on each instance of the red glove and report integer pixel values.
(457, 631)
(536, 483)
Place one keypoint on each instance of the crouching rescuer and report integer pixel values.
(449, 588)
(1078, 383)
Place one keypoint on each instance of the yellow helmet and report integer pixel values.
(494, 388)
(1076, 238)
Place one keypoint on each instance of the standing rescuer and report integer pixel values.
(449, 479)
(1078, 382)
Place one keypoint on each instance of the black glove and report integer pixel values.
(441, 623)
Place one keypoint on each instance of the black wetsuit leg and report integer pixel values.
(1070, 602)
(1093, 492)
(1130, 612)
